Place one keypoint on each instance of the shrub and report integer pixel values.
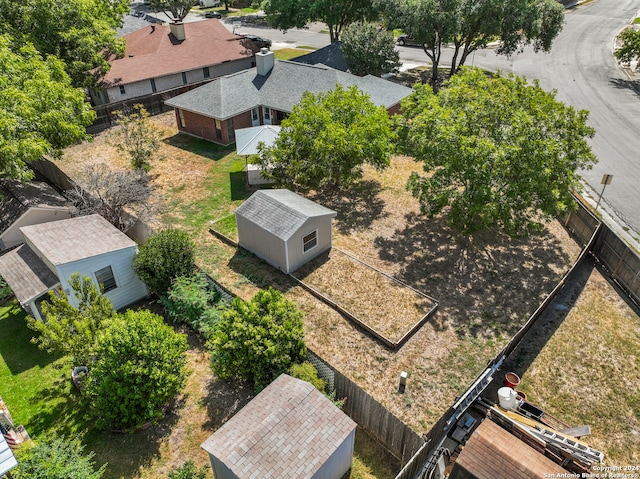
(307, 372)
(140, 367)
(166, 255)
(189, 471)
(189, 298)
(258, 340)
(57, 457)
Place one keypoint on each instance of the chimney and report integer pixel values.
(264, 61)
(177, 29)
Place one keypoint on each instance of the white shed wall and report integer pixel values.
(220, 470)
(340, 461)
(34, 216)
(129, 287)
(261, 243)
(297, 256)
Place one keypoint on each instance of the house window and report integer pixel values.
(184, 78)
(122, 92)
(153, 85)
(310, 241)
(206, 72)
(183, 123)
(254, 114)
(105, 278)
(267, 113)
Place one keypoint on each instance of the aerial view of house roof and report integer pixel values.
(281, 212)
(17, 197)
(153, 51)
(280, 89)
(331, 56)
(288, 430)
(77, 238)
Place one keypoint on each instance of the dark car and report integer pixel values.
(258, 41)
(212, 15)
(406, 40)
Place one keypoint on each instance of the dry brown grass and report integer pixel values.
(384, 305)
(487, 285)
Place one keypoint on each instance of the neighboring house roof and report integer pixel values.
(280, 89)
(27, 275)
(248, 139)
(281, 212)
(288, 430)
(16, 198)
(493, 453)
(153, 51)
(331, 56)
(77, 238)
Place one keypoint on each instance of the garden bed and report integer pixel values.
(385, 307)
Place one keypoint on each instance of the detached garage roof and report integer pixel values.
(281, 212)
(289, 430)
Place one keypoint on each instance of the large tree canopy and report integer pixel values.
(327, 138)
(496, 152)
(176, 10)
(40, 111)
(468, 25)
(369, 49)
(630, 49)
(82, 33)
(337, 14)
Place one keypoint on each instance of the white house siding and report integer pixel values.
(129, 287)
(297, 257)
(340, 461)
(131, 90)
(168, 82)
(262, 243)
(34, 216)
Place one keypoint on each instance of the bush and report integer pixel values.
(307, 372)
(166, 255)
(189, 471)
(189, 298)
(258, 340)
(139, 369)
(56, 458)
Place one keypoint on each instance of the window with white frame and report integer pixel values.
(106, 279)
(310, 241)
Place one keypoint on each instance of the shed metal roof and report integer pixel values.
(288, 430)
(280, 89)
(65, 241)
(281, 212)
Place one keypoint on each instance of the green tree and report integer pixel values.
(307, 372)
(497, 152)
(56, 457)
(258, 340)
(630, 49)
(72, 330)
(166, 255)
(81, 33)
(175, 10)
(336, 14)
(140, 367)
(136, 137)
(468, 25)
(327, 139)
(189, 471)
(369, 49)
(40, 111)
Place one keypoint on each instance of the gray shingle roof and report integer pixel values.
(288, 430)
(26, 274)
(280, 89)
(331, 56)
(16, 198)
(64, 241)
(281, 212)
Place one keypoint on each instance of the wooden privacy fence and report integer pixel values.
(398, 438)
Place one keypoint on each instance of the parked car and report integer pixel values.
(259, 41)
(406, 40)
(213, 15)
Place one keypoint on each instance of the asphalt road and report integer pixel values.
(580, 67)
